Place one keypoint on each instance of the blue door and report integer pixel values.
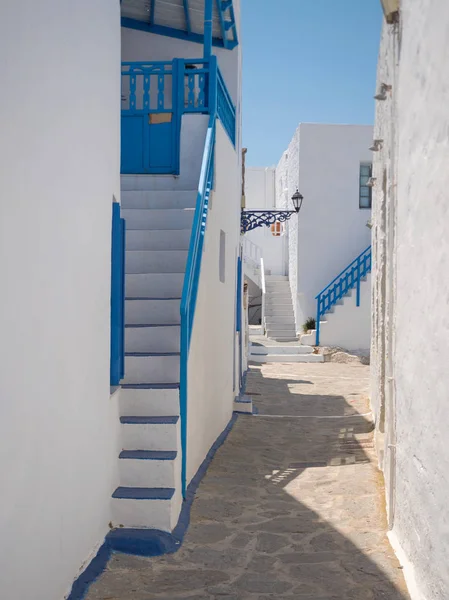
(150, 118)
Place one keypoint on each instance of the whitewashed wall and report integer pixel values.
(287, 175)
(59, 153)
(411, 291)
(260, 193)
(330, 230)
(211, 387)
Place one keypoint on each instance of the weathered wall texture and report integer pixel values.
(410, 345)
(323, 161)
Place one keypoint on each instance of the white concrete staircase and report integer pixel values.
(279, 319)
(158, 227)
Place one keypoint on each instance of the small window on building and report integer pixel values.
(222, 256)
(365, 191)
(277, 229)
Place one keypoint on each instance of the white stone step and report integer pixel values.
(270, 278)
(168, 239)
(146, 508)
(279, 333)
(276, 310)
(284, 358)
(279, 319)
(150, 219)
(283, 286)
(284, 301)
(152, 338)
(281, 326)
(265, 350)
(255, 330)
(277, 290)
(149, 311)
(309, 339)
(155, 261)
(144, 400)
(150, 433)
(243, 404)
(154, 285)
(149, 468)
(151, 368)
(158, 199)
(274, 296)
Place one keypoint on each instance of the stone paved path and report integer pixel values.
(290, 508)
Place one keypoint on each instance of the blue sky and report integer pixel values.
(305, 61)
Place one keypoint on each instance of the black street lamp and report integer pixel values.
(251, 219)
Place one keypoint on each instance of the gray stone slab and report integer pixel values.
(289, 508)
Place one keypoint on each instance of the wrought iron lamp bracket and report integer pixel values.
(251, 219)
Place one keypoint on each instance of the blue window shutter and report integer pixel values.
(239, 296)
(117, 297)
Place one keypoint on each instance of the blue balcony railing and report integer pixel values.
(179, 86)
(225, 107)
(347, 280)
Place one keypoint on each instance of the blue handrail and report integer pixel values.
(183, 85)
(225, 107)
(216, 95)
(191, 280)
(345, 281)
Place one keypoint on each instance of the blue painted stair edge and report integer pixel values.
(147, 542)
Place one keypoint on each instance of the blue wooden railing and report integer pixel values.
(219, 104)
(191, 280)
(155, 96)
(347, 280)
(179, 86)
(225, 107)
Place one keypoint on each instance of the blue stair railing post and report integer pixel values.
(208, 12)
(214, 99)
(213, 70)
(191, 283)
(349, 278)
(317, 324)
(358, 281)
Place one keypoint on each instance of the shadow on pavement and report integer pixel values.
(290, 508)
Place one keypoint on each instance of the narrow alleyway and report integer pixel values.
(291, 506)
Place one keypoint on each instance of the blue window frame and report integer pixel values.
(365, 191)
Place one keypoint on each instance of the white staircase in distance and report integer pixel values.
(279, 320)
